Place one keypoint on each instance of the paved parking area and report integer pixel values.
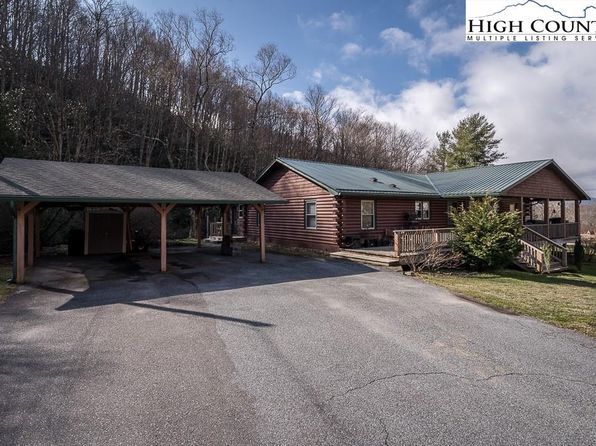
(299, 351)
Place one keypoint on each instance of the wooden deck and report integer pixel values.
(539, 253)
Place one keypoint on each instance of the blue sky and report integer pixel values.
(314, 33)
(407, 62)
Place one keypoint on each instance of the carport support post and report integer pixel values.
(163, 211)
(261, 210)
(30, 238)
(199, 224)
(124, 229)
(21, 212)
(37, 232)
(226, 234)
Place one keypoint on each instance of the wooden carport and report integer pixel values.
(30, 185)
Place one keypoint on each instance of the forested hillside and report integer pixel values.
(97, 81)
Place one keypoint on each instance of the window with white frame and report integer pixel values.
(310, 214)
(422, 210)
(367, 214)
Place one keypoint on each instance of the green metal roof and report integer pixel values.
(53, 181)
(341, 179)
(480, 181)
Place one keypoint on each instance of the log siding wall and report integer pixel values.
(390, 214)
(284, 223)
(339, 216)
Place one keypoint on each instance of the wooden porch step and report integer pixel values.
(555, 267)
(380, 260)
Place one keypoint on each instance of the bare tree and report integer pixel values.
(270, 68)
(321, 109)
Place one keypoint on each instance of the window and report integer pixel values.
(258, 218)
(367, 214)
(310, 214)
(422, 209)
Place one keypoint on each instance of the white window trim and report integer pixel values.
(374, 215)
(422, 210)
(306, 202)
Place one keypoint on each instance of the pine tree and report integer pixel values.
(471, 143)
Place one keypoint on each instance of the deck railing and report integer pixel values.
(215, 229)
(415, 241)
(556, 230)
(536, 247)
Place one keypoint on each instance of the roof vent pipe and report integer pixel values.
(374, 180)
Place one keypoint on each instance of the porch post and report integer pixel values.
(563, 219)
(547, 216)
(521, 210)
(577, 218)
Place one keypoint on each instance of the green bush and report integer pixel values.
(484, 236)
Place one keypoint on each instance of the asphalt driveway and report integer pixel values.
(295, 352)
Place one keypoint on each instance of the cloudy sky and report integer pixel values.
(407, 62)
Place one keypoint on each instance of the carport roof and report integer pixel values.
(36, 180)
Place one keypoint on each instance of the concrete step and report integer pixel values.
(371, 251)
(366, 258)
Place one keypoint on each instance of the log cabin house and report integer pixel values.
(332, 207)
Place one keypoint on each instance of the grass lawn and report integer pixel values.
(5, 274)
(565, 299)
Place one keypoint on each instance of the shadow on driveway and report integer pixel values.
(108, 280)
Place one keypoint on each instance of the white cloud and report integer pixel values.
(351, 50)
(295, 96)
(336, 21)
(542, 103)
(417, 7)
(325, 71)
(424, 106)
(399, 41)
(438, 39)
(341, 21)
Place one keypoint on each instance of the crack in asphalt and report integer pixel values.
(385, 432)
(454, 375)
